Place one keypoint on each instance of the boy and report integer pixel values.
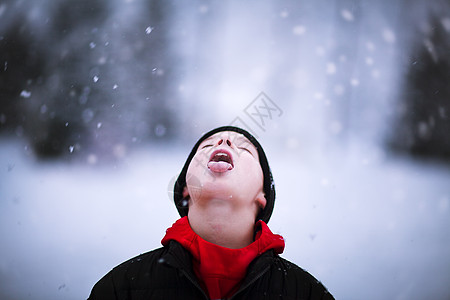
(221, 248)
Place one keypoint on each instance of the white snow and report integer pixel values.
(148, 30)
(25, 94)
(347, 15)
(389, 35)
(299, 30)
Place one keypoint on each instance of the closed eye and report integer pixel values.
(242, 148)
(206, 146)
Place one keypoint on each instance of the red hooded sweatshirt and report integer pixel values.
(220, 269)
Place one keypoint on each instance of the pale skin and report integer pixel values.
(224, 201)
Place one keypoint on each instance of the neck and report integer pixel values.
(219, 224)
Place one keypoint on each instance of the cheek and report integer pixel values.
(196, 169)
(196, 164)
(194, 180)
(259, 180)
(259, 177)
(253, 174)
(192, 172)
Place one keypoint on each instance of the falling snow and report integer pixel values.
(148, 30)
(299, 30)
(25, 94)
(389, 36)
(331, 68)
(203, 9)
(336, 71)
(347, 15)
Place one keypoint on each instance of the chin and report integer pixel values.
(216, 189)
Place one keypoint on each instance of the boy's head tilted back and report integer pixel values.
(226, 159)
(221, 247)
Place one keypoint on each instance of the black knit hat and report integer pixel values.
(268, 185)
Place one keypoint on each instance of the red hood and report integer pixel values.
(221, 269)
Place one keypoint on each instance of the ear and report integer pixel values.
(185, 193)
(261, 200)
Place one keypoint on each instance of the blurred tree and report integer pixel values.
(423, 126)
(22, 63)
(86, 76)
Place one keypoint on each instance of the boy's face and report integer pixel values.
(226, 167)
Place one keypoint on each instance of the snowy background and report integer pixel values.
(101, 101)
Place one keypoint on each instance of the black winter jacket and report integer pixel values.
(166, 273)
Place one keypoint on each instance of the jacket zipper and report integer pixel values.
(194, 282)
(187, 274)
(251, 282)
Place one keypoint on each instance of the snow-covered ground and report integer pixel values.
(368, 225)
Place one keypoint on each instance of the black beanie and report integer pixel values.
(268, 185)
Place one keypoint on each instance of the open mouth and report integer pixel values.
(220, 161)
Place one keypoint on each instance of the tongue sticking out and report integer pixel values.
(219, 166)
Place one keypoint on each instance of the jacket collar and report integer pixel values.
(179, 258)
(256, 269)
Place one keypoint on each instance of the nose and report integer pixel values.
(227, 141)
